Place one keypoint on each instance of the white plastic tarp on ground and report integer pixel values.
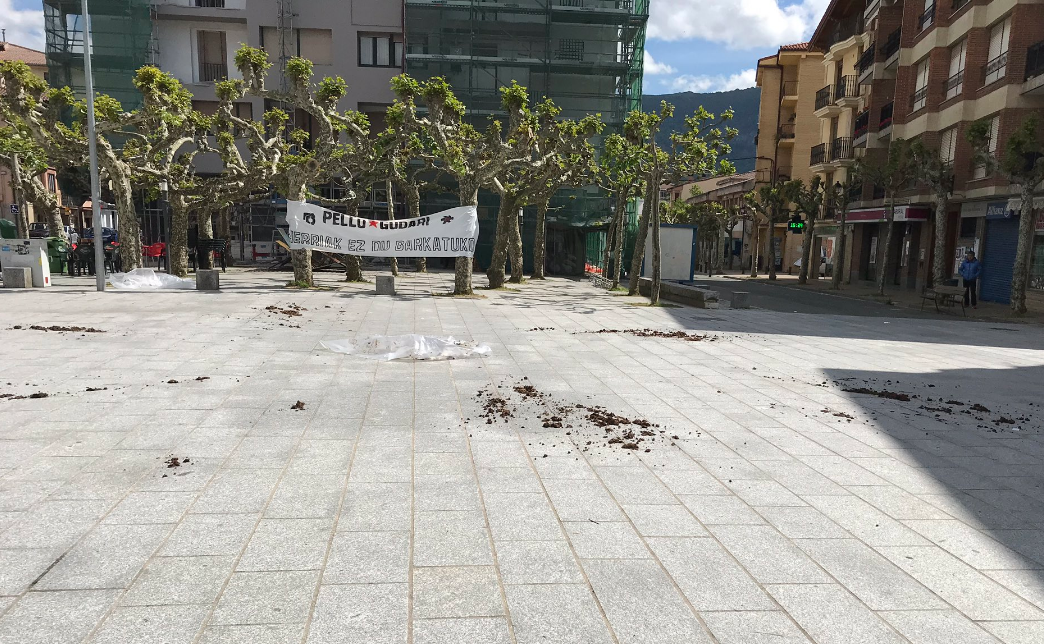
(411, 346)
(147, 279)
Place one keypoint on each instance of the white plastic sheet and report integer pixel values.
(147, 279)
(411, 346)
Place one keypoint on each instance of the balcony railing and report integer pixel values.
(919, 99)
(213, 4)
(790, 88)
(1035, 60)
(847, 28)
(211, 72)
(878, 193)
(958, 5)
(818, 155)
(995, 69)
(886, 116)
(783, 173)
(841, 149)
(855, 192)
(786, 131)
(847, 87)
(866, 61)
(955, 85)
(927, 18)
(823, 97)
(891, 46)
(862, 124)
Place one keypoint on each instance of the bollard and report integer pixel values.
(208, 280)
(740, 300)
(385, 285)
(18, 277)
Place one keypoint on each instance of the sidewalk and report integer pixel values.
(904, 298)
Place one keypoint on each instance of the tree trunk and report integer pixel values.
(468, 195)
(224, 231)
(618, 243)
(615, 226)
(123, 191)
(496, 272)
(205, 224)
(755, 246)
(806, 249)
(654, 286)
(540, 243)
(939, 254)
(772, 244)
(391, 216)
(22, 220)
(1021, 268)
(178, 247)
(301, 258)
(514, 242)
(639, 242)
(412, 195)
(887, 248)
(353, 263)
(839, 255)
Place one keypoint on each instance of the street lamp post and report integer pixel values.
(99, 241)
(165, 213)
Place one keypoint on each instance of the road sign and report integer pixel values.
(14, 209)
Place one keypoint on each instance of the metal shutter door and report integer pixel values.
(1002, 238)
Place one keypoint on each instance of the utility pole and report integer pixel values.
(99, 241)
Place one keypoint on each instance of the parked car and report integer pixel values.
(109, 235)
(38, 230)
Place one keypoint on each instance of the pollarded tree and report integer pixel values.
(27, 162)
(892, 173)
(474, 159)
(1022, 164)
(931, 169)
(619, 173)
(808, 201)
(693, 152)
(766, 204)
(304, 163)
(837, 198)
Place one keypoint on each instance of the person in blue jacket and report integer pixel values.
(970, 270)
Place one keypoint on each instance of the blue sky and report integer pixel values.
(692, 45)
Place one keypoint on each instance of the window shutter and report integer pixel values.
(999, 39)
(922, 74)
(948, 147)
(994, 133)
(957, 58)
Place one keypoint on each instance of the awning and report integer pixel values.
(902, 213)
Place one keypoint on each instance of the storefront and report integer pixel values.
(1000, 246)
(906, 259)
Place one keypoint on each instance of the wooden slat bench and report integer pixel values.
(946, 295)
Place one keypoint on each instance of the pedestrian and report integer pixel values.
(970, 270)
(74, 237)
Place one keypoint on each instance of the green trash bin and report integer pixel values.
(8, 229)
(57, 254)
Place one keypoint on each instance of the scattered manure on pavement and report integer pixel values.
(654, 333)
(298, 406)
(60, 329)
(880, 393)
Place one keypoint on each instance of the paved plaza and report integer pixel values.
(575, 486)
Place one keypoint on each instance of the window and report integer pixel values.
(955, 81)
(244, 111)
(570, 49)
(928, 16)
(380, 50)
(213, 56)
(51, 186)
(948, 146)
(315, 45)
(979, 171)
(920, 96)
(997, 58)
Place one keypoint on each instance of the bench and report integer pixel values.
(945, 295)
(216, 246)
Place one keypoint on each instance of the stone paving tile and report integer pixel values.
(894, 511)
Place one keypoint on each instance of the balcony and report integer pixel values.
(818, 155)
(958, 5)
(211, 4)
(866, 61)
(890, 50)
(995, 69)
(846, 92)
(823, 97)
(1034, 70)
(861, 127)
(790, 92)
(872, 7)
(919, 99)
(841, 150)
(927, 18)
(846, 29)
(954, 85)
(884, 123)
(212, 72)
(786, 133)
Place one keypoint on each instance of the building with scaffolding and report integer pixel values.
(586, 55)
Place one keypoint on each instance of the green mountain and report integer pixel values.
(744, 102)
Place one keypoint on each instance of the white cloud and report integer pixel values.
(689, 83)
(652, 67)
(24, 27)
(738, 24)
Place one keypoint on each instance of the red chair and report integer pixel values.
(157, 251)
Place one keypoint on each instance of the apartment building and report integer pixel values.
(9, 205)
(787, 131)
(728, 192)
(928, 69)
